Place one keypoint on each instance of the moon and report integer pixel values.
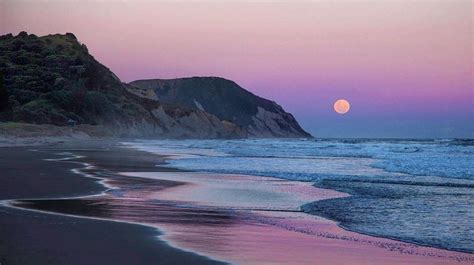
(342, 106)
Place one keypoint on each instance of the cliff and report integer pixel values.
(53, 79)
(226, 100)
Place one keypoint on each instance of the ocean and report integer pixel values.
(419, 191)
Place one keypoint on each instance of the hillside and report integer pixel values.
(227, 101)
(53, 79)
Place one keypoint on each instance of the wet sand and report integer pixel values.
(231, 218)
(31, 237)
(271, 229)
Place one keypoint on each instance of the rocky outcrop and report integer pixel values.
(226, 100)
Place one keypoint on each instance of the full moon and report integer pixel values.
(342, 106)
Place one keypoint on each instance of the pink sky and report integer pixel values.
(403, 61)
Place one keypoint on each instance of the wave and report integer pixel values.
(407, 150)
(400, 182)
(438, 215)
(462, 142)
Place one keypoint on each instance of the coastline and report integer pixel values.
(190, 210)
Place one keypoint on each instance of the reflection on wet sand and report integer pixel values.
(239, 219)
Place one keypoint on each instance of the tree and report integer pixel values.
(3, 95)
(78, 95)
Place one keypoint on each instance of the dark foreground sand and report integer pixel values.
(31, 237)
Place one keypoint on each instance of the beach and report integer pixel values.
(32, 237)
(236, 132)
(103, 202)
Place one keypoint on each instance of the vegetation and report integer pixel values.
(51, 79)
(3, 96)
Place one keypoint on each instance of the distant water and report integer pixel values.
(420, 191)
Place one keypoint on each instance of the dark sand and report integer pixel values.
(31, 237)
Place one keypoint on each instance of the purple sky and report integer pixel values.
(405, 66)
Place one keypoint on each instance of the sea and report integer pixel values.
(413, 190)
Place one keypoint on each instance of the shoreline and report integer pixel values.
(395, 238)
(325, 210)
(392, 245)
(221, 212)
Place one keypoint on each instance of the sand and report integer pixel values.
(30, 237)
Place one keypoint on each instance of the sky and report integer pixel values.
(406, 66)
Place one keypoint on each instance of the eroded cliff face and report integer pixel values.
(224, 99)
(274, 124)
(194, 124)
(170, 121)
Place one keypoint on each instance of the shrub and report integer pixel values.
(33, 47)
(16, 45)
(25, 96)
(70, 35)
(3, 96)
(77, 69)
(40, 111)
(59, 47)
(23, 34)
(61, 98)
(84, 48)
(6, 36)
(97, 103)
